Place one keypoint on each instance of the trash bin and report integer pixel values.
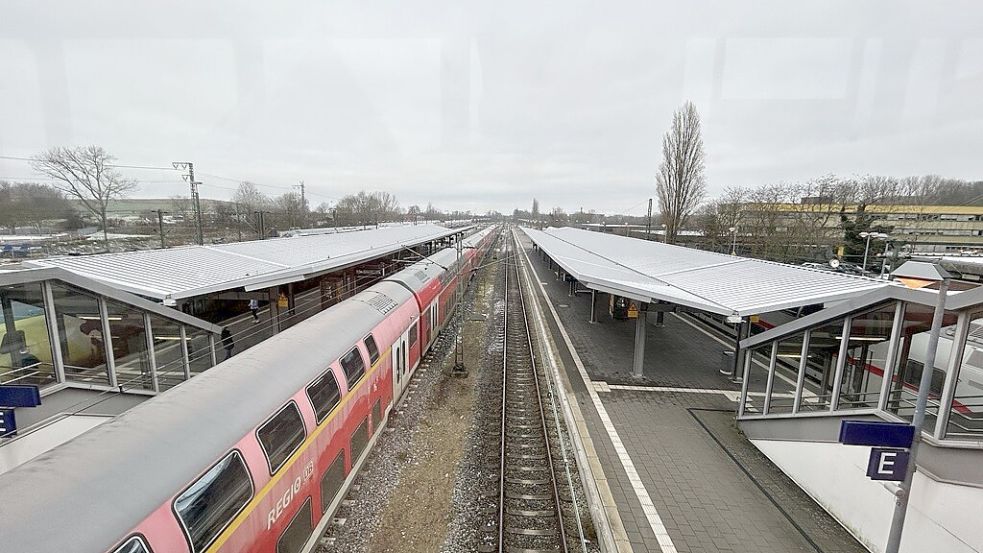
(727, 362)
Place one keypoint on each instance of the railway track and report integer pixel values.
(530, 508)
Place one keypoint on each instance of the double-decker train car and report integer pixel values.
(253, 455)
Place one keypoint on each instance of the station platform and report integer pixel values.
(673, 472)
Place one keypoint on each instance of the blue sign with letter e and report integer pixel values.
(887, 464)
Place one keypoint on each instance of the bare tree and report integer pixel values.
(681, 184)
(87, 174)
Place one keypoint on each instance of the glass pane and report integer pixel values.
(25, 348)
(372, 349)
(167, 351)
(354, 367)
(966, 414)
(911, 362)
(80, 328)
(360, 440)
(332, 481)
(199, 350)
(298, 532)
(870, 338)
(129, 346)
(786, 374)
(281, 436)
(824, 347)
(757, 379)
(324, 395)
(211, 503)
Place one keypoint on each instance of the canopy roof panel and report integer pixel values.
(194, 270)
(714, 282)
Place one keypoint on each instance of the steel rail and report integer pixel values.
(542, 411)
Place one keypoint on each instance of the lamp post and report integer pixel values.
(733, 244)
(868, 236)
(884, 259)
(923, 271)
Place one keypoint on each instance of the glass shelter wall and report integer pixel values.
(756, 364)
(867, 360)
(785, 380)
(53, 332)
(820, 370)
(129, 339)
(25, 345)
(965, 418)
(171, 366)
(80, 330)
(912, 345)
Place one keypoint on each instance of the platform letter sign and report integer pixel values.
(889, 456)
(8, 425)
(887, 464)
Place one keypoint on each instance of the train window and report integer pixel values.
(354, 367)
(360, 440)
(324, 395)
(281, 436)
(373, 349)
(208, 505)
(133, 545)
(413, 332)
(332, 481)
(299, 530)
(913, 376)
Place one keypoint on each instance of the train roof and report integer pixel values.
(417, 276)
(475, 238)
(95, 488)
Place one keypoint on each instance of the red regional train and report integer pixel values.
(255, 454)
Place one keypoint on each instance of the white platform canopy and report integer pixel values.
(651, 271)
(189, 271)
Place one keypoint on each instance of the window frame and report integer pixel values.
(364, 423)
(344, 475)
(180, 519)
(375, 346)
(309, 504)
(307, 392)
(413, 331)
(269, 462)
(140, 538)
(348, 379)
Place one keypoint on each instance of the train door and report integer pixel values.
(434, 321)
(401, 357)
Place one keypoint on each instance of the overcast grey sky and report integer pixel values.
(484, 105)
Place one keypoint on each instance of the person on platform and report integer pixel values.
(254, 307)
(227, 342)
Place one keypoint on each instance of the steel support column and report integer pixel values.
(148, 331)
(184, 354)
(638, 361)
(834, 399)
(593, 306)
(54, 333)
(107, 342)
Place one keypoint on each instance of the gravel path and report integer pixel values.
(408, 495)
